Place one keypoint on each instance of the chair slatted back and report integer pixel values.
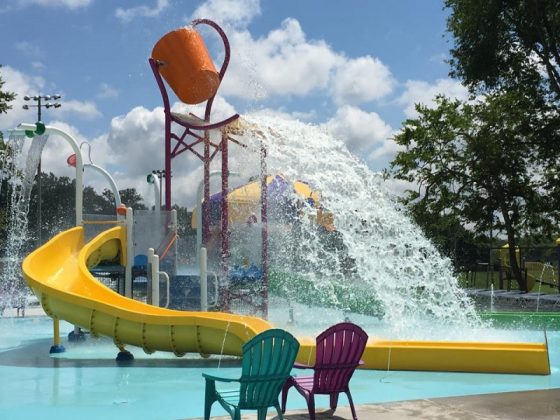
(268, 359)
(339, 349)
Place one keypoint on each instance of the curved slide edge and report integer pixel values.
(447, 356)
(59, 276)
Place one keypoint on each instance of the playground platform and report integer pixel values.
(535, 405)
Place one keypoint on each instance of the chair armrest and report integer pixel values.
(219, 378)
(302, 366)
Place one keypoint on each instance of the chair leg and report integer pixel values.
(261, 414)
(311, 406)
(237, 414)
(351, 405)
(287, 385)
(209, 398)
(334, 400)
(279, 411)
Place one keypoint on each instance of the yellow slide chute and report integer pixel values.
(59, 276)
(245, 201)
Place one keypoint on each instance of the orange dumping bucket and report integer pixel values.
(186, 65)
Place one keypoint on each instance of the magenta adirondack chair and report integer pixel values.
(339, 349)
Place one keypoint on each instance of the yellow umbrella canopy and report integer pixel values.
(244, 202)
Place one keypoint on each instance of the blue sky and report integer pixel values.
(355, 67)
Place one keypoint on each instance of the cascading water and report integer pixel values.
(378, 261)
(19, 169)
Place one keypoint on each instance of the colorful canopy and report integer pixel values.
(244, 202)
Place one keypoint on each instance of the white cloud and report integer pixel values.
(228, 12)
(83, 109)
(360, 130)
(282, 63)
(360, 80)
(23, 84)
(70, 4)
(134, 146)
(364, 133)
(127, 15)
(107, 92)
(386, 150)
(418, 91)
(57, 150)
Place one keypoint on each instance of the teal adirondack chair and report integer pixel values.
(267, 361)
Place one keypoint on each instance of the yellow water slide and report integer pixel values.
(58, 273)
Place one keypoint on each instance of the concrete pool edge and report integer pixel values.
(517, 405)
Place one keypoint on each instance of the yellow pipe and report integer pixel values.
(56, 332)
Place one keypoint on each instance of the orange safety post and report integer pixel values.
(186, 65)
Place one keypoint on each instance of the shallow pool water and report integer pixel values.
(85, 382)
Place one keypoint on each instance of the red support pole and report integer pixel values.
(264, 232)
(167, 162)
(225, 213)
(225, 218)
(181, 144)
(171, 152)
(206, 203)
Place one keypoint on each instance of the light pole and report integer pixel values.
(39, 105)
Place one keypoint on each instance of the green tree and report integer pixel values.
(4, 209)
(475, 163)
(57, 206)
(98, 204)
(505, 43)
(129, 196)
(184, 218)
(5, 98)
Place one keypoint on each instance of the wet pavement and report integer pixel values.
(534, 405)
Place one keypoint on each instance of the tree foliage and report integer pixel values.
(5, 97)
(58, 206)
(476, 164)
(505, 43)
(129, 196)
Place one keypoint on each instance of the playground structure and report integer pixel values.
(539, 265)
(60, 272)
(194, 79)
(59, 275)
